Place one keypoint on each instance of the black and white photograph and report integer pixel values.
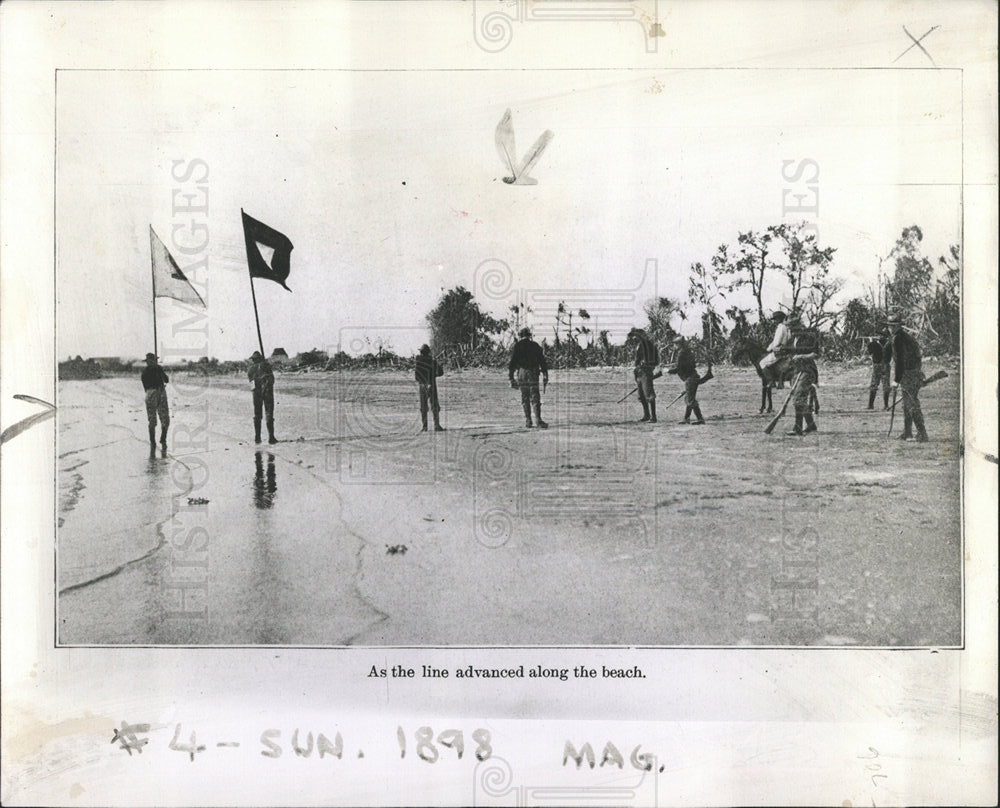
(517, 369)
(316, 355)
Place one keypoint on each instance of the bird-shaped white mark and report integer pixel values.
(507, 152)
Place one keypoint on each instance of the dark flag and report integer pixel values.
(258, 234)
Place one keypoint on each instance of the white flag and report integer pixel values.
(168, 280)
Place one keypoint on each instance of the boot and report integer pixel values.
(698, 420)
(645, 411)
(687, 416)
(527, 416)
(437, 423)
(797, 430)
(652, 411)
(918, 421)
(152, 437)
(871, 398)
(907, 427)
(885, 399)
(810, 423)
(270, 431)
(163, 437)
(256, 430)
(538, 417)
(423, 422)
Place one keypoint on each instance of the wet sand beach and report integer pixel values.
(357, 529)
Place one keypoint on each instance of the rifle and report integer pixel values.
(941, 374)
(707, 377)
(656, 375)
(774, 421)
(892, 411)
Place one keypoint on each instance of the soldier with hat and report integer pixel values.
(803, 395)
(908, 377)
(261, 377)
(880, 351)
(527, 360)
(647, 357)
(426, 372)
(154, 380)
(687, 371)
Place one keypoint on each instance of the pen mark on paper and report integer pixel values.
(916, 44)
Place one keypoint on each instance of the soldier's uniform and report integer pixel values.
(153, 380)
(647, 357)
(687, 371)
(880, 350)
(261, 376)
(910, 378)
(802, 396)
(426, 372)
(527, 360)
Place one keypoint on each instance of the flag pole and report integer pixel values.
(152, 272)
(256, 317)
(253, 294)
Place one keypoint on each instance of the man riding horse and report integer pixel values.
(772, 363)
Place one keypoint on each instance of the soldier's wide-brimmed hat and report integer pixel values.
(425, 349)
(151, 356)
(678, 338)
(780, 316)
(524, 332)
(894, 319)
(637, 332)
(256, 355)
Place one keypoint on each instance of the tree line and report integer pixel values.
(784, 258)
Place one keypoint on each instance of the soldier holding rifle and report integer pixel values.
(687, 372)
(647, 357)
(909, 378)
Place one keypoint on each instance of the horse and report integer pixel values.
(771, 376)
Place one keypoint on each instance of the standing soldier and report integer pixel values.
(647, 357)
(153, 380)
(880, 350)
(687, 372)
(908, 377)
(262, 379)
(528, 361)
(806, 376)
(426, 373)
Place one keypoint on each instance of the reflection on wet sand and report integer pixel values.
(264, 489)
(155, 467)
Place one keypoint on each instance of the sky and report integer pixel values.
(390, 187)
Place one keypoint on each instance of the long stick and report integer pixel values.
(152, 273)
(635, 389)
(674, 401)
(774, 421)
(892, 412)
(941, 374)
(256, 317)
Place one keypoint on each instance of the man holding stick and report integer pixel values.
(908, 378)
(154, 380)
(261, 378)
(807, 375)
(687, 371)
(647, 357)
